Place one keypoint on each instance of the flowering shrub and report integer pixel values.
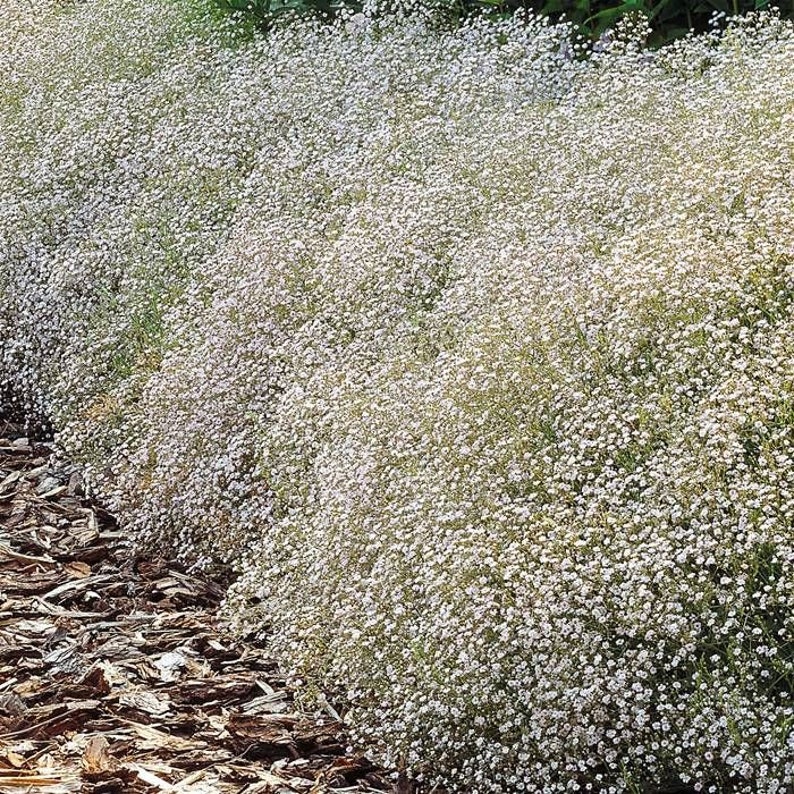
(475, 358)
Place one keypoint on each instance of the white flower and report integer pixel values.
(474, 358)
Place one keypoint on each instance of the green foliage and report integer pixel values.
(670, 19)
(264, 12)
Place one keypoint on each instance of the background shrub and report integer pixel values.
(668, 19)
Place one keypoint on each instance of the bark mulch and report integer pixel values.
(116, 675)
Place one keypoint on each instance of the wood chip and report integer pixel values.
(96, 762)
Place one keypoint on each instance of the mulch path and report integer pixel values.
(117, 675)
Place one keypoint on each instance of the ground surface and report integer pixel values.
(116, 675)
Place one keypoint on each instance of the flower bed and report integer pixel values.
(474, 356)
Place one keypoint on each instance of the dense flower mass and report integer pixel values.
(473, 354)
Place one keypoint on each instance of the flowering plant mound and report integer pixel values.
(473, 355)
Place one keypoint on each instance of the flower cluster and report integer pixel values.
(475, 356)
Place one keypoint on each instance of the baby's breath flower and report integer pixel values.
(475, 357)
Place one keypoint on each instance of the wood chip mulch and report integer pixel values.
(116, 675)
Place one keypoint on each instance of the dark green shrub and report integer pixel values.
(670, 19)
